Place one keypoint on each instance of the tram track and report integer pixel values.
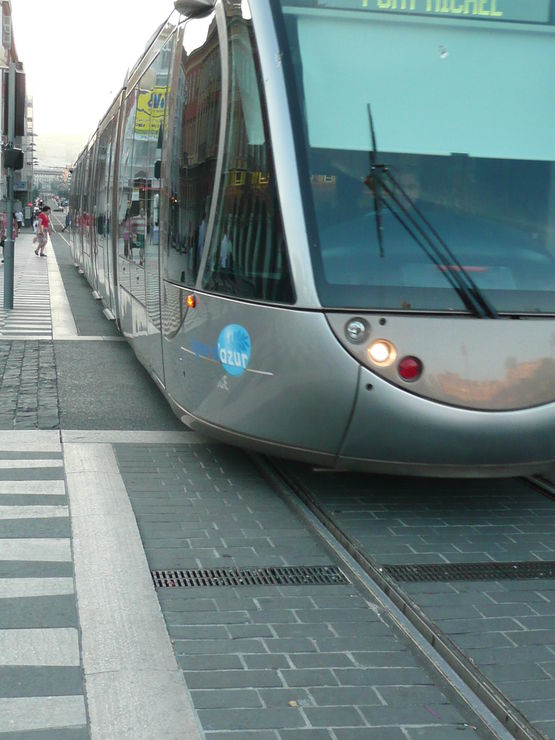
(493, 711)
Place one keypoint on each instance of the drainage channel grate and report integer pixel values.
(472, 571)
(323, 575)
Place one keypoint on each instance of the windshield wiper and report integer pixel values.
(380, 181)
(375, 185)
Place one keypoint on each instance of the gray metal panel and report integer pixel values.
(299, 386)
(487, 365)
(284, 155)
(417, 436)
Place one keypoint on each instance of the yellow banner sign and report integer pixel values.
(151, 106)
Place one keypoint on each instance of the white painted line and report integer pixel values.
(30, 440)
(63, 323)
(25, 714)
(33, 512)
(40, 647)
(15, 588)
(32, 488)
(81, 338)
(120, 437)
(128, 659)
(26, 463)
(54, 550)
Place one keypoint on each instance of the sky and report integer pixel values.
(76, 55)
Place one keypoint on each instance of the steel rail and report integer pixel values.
(492, 710)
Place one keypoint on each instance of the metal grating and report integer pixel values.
(323, 575)
(472, 571)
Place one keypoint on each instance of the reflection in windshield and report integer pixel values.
(494, 235)
(474, 153)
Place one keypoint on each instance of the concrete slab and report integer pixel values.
(56, 646)
(11, 588)
(128, 660)
(36, 548)
(24, 714)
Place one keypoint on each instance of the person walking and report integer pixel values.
(4, 231)
(67, 224)
(43, 229)
(19, 218)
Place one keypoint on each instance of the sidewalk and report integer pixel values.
(84, 650)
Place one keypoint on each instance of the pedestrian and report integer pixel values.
(35, 219)
(42, 230)
(19, 218)
(68, 222)
(4, 231)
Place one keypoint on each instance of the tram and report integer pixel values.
(327, 228)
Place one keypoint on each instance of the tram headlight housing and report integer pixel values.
(382, 353)
(357, 330)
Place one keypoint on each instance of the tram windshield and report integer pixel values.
(454, 100)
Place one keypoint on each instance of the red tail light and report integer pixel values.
(410, 368)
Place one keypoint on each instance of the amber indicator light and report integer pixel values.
(191, 301)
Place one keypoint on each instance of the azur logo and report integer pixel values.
(234, 349)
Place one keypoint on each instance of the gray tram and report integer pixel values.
(327, 228)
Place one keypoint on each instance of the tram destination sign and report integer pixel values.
(531, 11)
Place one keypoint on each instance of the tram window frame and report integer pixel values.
(254, 264)
(125, 160)
(147, 145)
(101, 184)
(85, 202)
(190, 158)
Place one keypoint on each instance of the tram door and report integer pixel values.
(101, 245)
(139, 253)
(190, 156)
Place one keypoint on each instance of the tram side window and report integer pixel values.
(198, 83)
(142, 213)
(125, 194)
(101, 184)
(248, 254)
(85, 208)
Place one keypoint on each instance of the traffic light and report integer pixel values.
(19, 113)
(13, 158)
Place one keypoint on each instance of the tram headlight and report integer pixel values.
(382, 352)
(357, 330)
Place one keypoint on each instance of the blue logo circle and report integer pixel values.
(234, 349)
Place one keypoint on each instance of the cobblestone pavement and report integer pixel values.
(270, 661)
(28, 386)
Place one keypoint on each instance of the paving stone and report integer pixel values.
(309, 677)
(368, 733)
(426, 714)
(321, 660)
(242, 719)
(214, 662)
(266, 661)
(410, 695)
(231, 699)
(218, 647)
(232, 679)
(282, 697)
(60, 733)
(334, 717)
(301, 734)
(38, 612)
(248, 735)
(19, 681)
(527, 690)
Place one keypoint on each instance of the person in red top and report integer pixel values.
(42, 230)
